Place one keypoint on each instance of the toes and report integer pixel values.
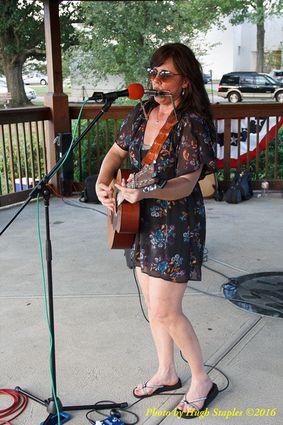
(181, 404)
(185, 408)
(139, 390)
(139, 387)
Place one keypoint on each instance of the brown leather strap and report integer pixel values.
(153, 152)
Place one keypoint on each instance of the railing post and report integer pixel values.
(227, 149)
(55, 99)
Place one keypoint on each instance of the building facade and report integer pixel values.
(234, 49)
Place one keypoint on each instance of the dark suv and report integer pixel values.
(237, 86)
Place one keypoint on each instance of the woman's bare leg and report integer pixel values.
(170, 324)
(166, 308)
(166, 373)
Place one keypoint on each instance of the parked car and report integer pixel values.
(237, 86)
(35, 78)
(277, 74)
(30, 93)
(2, 84)
(206, 78)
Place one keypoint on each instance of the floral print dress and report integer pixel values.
(171, 237)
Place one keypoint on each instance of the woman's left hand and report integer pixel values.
(130, 195)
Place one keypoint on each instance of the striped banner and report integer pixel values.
(256, 142)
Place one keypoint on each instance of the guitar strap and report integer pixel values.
(153, 152)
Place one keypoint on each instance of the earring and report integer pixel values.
(183, 92)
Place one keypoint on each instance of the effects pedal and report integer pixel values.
(53, 419)
(110, 420)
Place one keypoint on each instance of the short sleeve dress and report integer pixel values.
(171, 238)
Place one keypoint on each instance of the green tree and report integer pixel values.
(239, 11)
(22, 37)
(120, 37)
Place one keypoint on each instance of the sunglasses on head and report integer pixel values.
(163, 74)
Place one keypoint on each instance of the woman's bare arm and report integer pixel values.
(109, 166)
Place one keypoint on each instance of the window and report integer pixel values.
(271, 80)
(231, 80)
(260, 80)
(247, 80)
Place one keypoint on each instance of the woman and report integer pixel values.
(169, 246)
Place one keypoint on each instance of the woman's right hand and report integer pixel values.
(105, 195)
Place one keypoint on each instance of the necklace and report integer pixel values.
(158, 119)
(157, 116)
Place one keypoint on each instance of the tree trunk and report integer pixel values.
(260, 47)
(13, 72)
(260, 36)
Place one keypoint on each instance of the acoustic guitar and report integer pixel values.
(123, 223)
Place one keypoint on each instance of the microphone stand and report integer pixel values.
(42, 188)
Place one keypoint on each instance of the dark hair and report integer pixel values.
(195, 98)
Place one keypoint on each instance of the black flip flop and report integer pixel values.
(197, 412)
(159, 389)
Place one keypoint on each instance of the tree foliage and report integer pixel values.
(121, 36)
(22, 37)
(239, 11)
(254, 11)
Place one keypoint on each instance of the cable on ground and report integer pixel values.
(116, 412)
(18, 405)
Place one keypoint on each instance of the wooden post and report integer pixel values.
(55, 99)
(227, 150)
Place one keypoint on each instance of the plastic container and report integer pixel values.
(24, 184)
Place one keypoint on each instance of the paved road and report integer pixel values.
(211, 88)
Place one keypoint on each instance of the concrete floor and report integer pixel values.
(103, 344)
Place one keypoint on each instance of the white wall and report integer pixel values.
(274, 34)
(244, 47)
(220, 57)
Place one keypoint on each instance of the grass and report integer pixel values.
(42, 90)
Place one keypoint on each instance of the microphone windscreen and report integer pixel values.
(136, 91)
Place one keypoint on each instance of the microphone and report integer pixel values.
(134, 91)
(156, 93)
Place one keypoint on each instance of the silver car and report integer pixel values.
(30, 93)
(277, 74)
(35, 78)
